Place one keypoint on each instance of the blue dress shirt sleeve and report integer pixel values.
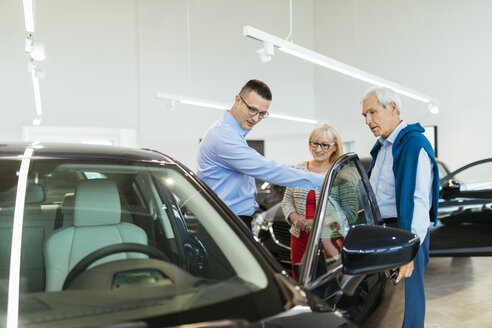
(244, 159)
(228, 165)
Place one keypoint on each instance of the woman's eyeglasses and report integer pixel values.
(324, 146)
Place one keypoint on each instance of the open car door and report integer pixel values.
(349, 250)
(464, 222)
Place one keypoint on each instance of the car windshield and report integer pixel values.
(159, 247)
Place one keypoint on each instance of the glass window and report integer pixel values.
(94, 175)
(347, 205)
(477, 177)
(442, 170)
(74, 208)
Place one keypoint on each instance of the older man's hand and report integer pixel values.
(405, 271)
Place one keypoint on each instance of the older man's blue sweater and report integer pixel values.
(406, 150)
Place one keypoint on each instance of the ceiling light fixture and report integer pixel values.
(322, 60)
(191, 101)
(266, 53)
(433, 108)
(29, 15)
(36, 121)
(222, 106)
(37, 52)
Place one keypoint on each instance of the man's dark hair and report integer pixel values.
(257, 86)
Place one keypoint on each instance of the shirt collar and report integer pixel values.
(231, 121)
(394, 134)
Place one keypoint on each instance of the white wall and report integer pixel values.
(196, 48)
(440, 48)
(106, 59)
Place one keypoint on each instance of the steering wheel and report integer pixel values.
(83, 264)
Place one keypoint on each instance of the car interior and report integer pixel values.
(73, 209)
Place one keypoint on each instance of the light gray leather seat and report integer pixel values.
(34, 232)
(67, 209)
(97, 223)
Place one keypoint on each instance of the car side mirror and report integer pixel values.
(371, 249)
(449, 189)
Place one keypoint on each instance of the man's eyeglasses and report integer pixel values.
(324, 146)
(253, 111)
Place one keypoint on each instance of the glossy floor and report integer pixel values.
(459, 292)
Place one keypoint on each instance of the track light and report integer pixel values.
(28, 44)
(37, 121)
(37, 51)
(266, 53)
(433, 108)
(171, 105)
(319, 59)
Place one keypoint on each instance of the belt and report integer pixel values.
(246, 217)
(391, 221)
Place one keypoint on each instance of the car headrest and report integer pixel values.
(68, 203)
(97, 203)
(34, 195)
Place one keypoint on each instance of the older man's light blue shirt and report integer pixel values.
(383, 183)
(228, 165)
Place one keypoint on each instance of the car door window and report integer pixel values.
(347, 201)
(443, 170)
(477, 177)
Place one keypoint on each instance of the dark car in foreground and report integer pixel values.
(100, 236)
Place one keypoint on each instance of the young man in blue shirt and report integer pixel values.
(405, 179)
(229, 166)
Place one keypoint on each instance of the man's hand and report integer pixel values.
(405, 271)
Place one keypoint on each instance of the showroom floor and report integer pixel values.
(459, 292)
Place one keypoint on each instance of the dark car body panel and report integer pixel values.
(464, 225)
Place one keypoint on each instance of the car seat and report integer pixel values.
(96, 224)
(34, 231)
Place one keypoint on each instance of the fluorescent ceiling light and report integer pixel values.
(29, 15)
(192, 101)
(222, 106)
(319, 59)
(201, 103)
(37, 93)
(293, 118)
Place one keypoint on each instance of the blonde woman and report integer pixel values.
(299, 205)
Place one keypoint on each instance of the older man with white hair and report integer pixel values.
(405, 179)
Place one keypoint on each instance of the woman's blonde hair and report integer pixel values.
(323, 129)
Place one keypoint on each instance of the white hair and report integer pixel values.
(384, 95)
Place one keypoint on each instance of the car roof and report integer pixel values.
(83, 151)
